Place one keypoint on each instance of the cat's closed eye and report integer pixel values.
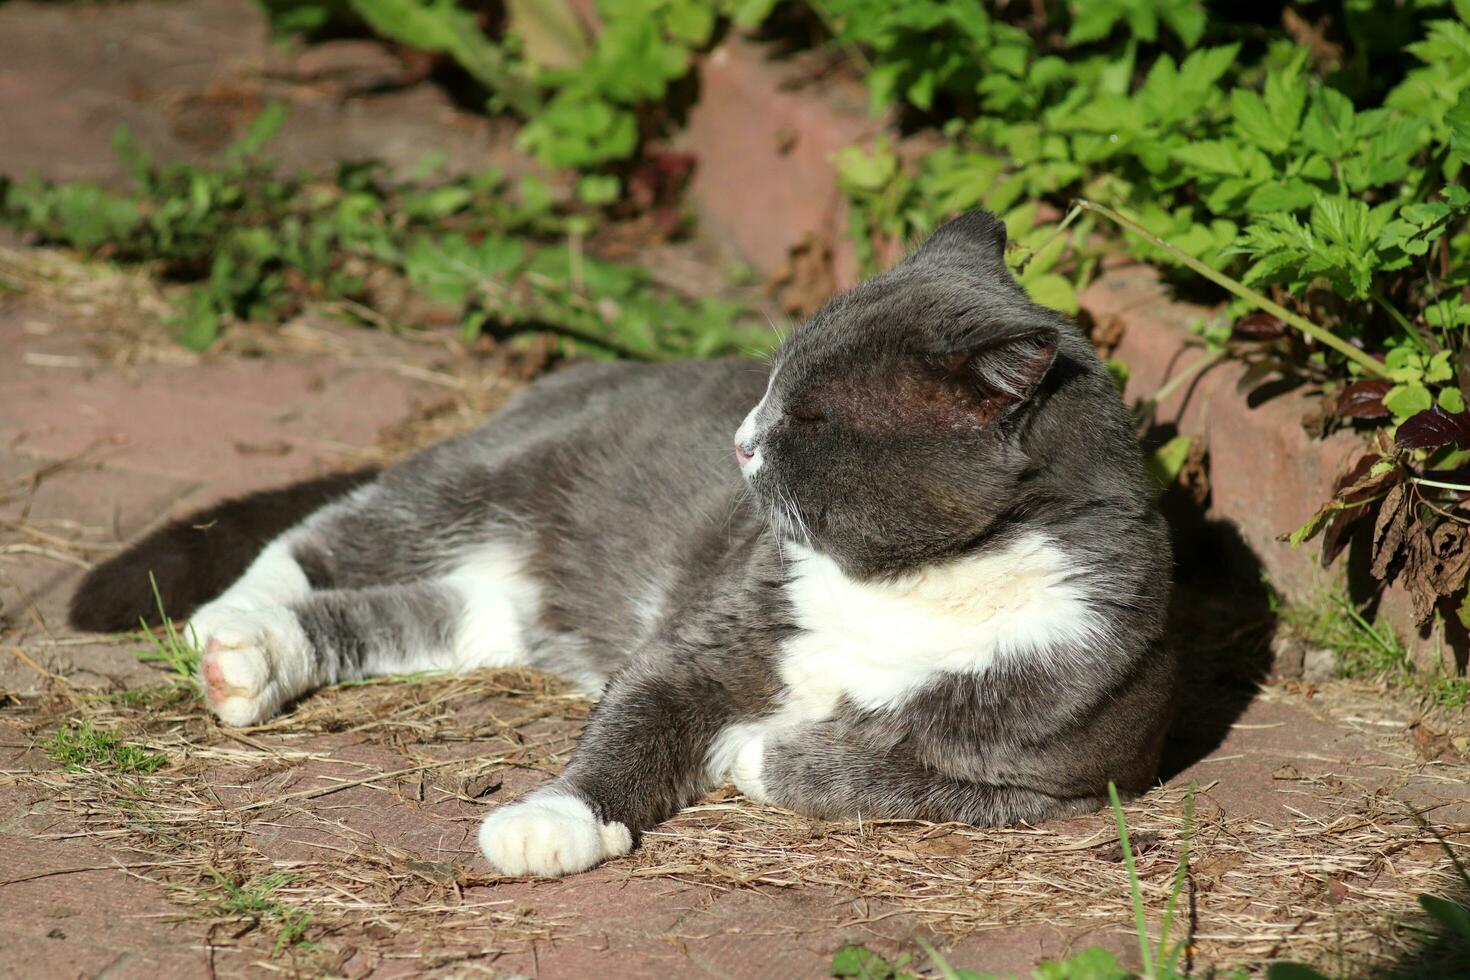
(807, 414)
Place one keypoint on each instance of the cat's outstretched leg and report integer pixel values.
(639, 761)
(256, 660)
(820, 770)
(253, 654)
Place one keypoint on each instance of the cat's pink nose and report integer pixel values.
(744, 451)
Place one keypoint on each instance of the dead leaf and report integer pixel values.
(1286, 772)
(807, 281)
(481, 786)
(1435, 564)
(1215, 868)
(1194, 475)
(1390, 532)
(1356, 491)
(1108, 333)
(1142, 844)
(946, 845)
(1429, 743)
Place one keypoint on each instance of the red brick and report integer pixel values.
(764, 134)
(1267, 474)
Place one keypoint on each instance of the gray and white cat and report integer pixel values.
(927, 581)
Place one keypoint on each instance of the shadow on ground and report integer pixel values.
(1221, 620)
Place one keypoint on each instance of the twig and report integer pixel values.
(310, 794)
(37, 667)
(1317, 333)
(92, 867)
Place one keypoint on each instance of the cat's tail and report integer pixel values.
(197, 557)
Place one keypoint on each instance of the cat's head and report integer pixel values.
(893, 431)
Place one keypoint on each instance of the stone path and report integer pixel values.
(368, 797)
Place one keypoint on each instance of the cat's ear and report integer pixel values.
(976, 238)
(1005, 370)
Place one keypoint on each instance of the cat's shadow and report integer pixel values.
(1221, 621)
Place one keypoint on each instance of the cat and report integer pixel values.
(926, 580)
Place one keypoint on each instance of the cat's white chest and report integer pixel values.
(877, 643)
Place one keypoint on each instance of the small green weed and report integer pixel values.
(80, 747)
(170, 649)
(1371, 650)
(256, 899)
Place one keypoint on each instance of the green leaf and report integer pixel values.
(1404, 400)
(1293, 971)
(1093, 963)
(1053, 290)
(1255, 123)
(443, 26)
(1458, 122)
(598, 189)
(1451, 915)
(1168, 460)
(861, 171)
(1328, 125)
(1288, 195)
(199, 320)
(864, 964)
(262, 129)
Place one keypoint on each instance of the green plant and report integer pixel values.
(1368, 650)
(257, 899)
(1331, 202)
(170, 649)
(249, 243)
(81, 746)
(584, 98)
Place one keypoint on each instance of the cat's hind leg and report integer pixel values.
(256, 660)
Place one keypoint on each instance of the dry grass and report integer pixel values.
(1313, 888)
(237, 821)
(1333, 882)
(266, 838)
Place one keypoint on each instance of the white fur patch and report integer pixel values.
(745, 772)
(273, 579)
(254, 656)
(749, 432)
(501, 602)
(550, 833)
(252, 660)
(878, 643)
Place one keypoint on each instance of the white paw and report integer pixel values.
(745, 771)
(252, 661)
(550, 833)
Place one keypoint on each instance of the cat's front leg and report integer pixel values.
(641, 758)
(824, 769)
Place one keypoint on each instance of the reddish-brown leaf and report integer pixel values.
(1259, 326)
(1435, 565)
(1434, 427)
(1389, 531)
(1364, 400)
(1359, 490)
